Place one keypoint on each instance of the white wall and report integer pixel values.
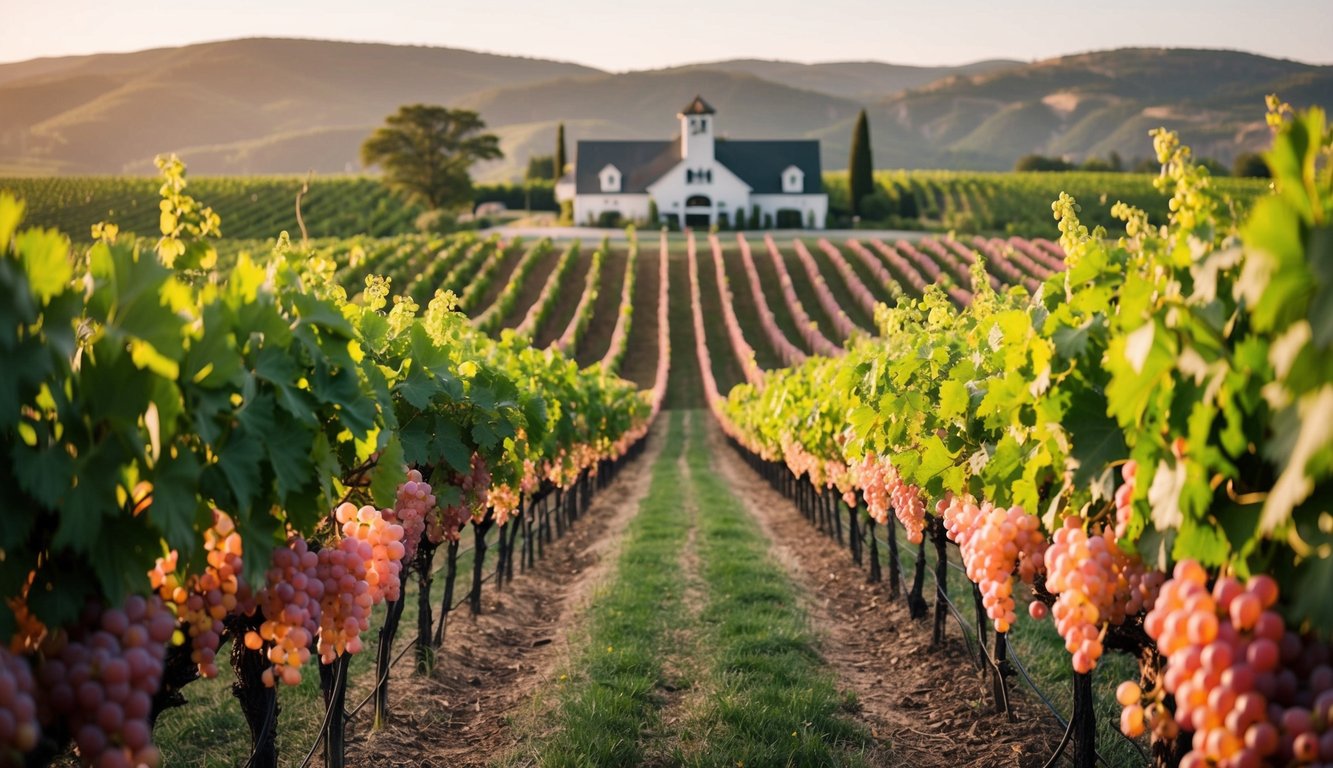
(771, 204)
(630, 207)
(726, 191)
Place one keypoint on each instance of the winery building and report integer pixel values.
(697, 179)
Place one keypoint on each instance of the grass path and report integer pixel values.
(696, 653)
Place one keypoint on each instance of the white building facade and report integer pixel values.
(698, 180)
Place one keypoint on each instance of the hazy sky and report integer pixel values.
(633, 34)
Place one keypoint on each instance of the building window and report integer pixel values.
(610, 178)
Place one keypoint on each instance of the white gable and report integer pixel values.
(793, 179)
(610, 178)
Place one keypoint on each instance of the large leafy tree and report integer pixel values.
(426, 152)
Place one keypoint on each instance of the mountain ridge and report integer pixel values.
(285, 105)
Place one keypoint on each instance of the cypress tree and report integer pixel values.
(861, 168)
(559, 164)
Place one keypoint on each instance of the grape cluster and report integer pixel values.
(290, 604)
(870, 475)
(357, 572)
(1079, 574)
(995, 542)
(1253, 692)
(202, 601)
(908, 506)
(383, 539)
(476, 483)
(102, 685)
(413, 504)
(18, 709)
(883, 488)
(1096, 584)
(503, 500)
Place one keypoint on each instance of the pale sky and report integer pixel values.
(621, 35)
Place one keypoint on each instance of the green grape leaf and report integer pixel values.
(315, 311)
(274, 365)
(418, 387)
(239, 459)
(90, 501)
(1310, 593)
(46, 473)
(1201, 541)
(287, 445)
(11, 213)
(341, 388)
(45, 257)
(176, 509)
(448, 445)
(1096, 440)
(1275, 279)
(212, 359)
(388, 474)
(1321, 302)
(120, 569)
(953, 399)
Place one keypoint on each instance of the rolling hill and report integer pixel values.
(258, 106)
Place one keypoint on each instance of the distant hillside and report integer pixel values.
(866, 81)
(1093, 104)
(239, 99)
(288, 106)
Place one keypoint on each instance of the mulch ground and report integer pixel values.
(931, 705)
(494, 665)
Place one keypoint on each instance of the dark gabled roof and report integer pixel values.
(698, 107)
(761, 163)
(640, 163)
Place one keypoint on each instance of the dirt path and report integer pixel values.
(500, 661)
(930, 705)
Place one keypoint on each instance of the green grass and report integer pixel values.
(751, 687)
(772, 702)
(613, 690)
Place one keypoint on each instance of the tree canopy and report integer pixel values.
(426, 152)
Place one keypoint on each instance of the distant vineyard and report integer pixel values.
(251, 206)
(1017, 203)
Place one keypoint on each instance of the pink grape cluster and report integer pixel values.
(995, 542)
(383, 539)
(411, 507)
(19, 730)
(202, 601)
(909, 506)
(360, 570)
(290, 603)
(871, 475)
(1253, 692)
(102, 685)
(503, 500)
(476, 484)
(1079, 572)
(1124, 510)
(473, 489)
(883, 488)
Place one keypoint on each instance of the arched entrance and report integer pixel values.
(698, 211)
